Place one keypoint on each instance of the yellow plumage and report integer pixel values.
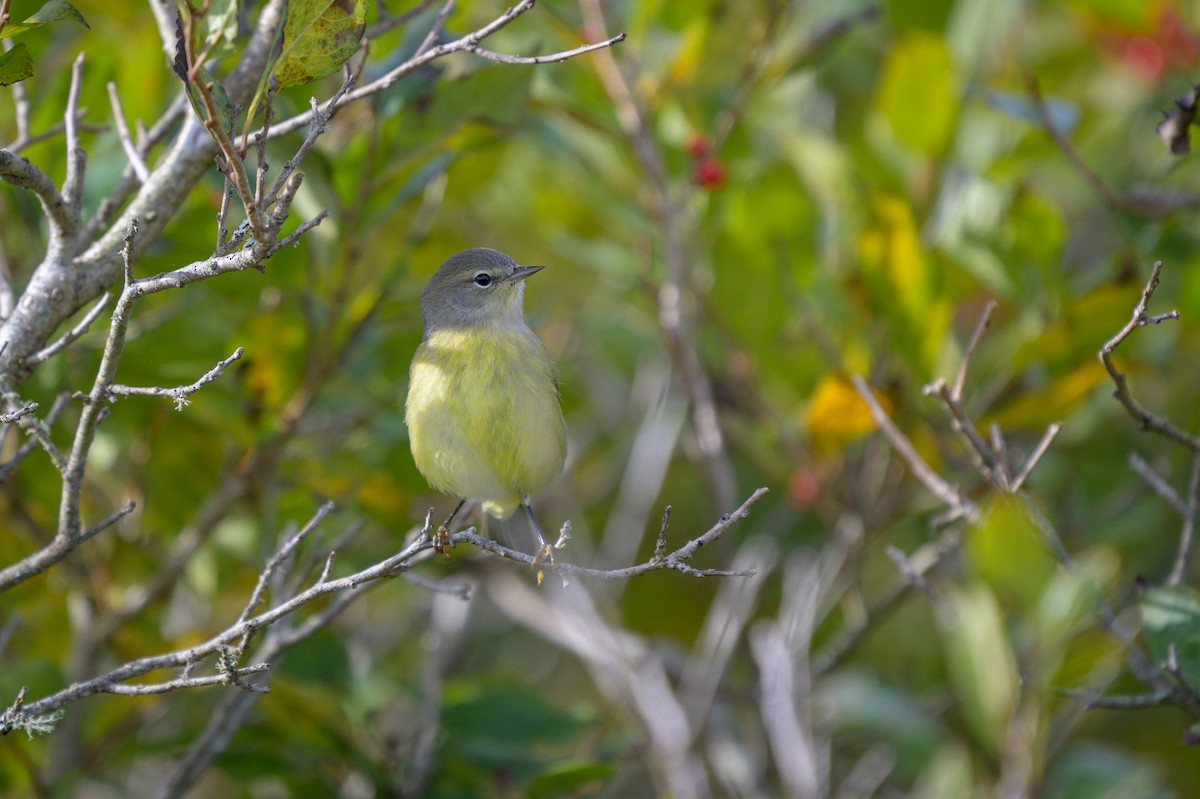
(483, 413)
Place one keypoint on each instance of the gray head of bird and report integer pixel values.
(479, 286)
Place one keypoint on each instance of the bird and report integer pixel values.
(483, 411)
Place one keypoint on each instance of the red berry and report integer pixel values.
(803, 488)
(698, 146)
(710, 173)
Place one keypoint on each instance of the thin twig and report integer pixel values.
(1035, 456)
(1187, 535)
(435, 30)
(131, 150)
(1156, 482)
(231, 677)
(34, 428)
(1090, 699)
(503, 58)
(180, 393)
(1106, 192)
(463, 43)
(65, 340)
(983, 455)
(316, 126)
(25, 410)
(671, 212)
(1147, 203)
(1149, 421)
(235, 167)
(284, 552)
(947, 492)
(39, 435)
(913, 574)
(76, 157)
(985, 318)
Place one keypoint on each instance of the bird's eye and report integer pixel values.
(483, 280)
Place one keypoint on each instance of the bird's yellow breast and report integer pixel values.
(483, 414)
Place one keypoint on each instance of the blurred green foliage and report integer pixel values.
(877, 189)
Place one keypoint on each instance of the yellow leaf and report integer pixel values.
(1038, 409)
(690, 53)
(837, 414)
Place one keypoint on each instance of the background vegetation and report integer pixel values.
(742, 207)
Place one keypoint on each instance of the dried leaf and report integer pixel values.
(318, 37)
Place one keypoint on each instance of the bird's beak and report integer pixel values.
(522, 272)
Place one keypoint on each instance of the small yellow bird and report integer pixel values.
(484, 419)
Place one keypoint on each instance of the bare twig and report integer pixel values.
(131, 150)
(922, 560)
(316, 126)
(235, 167)
(129, 181)
(76, 157)
(675, 560)
(180, 393)
(947, 492)
(19, 172)
(673, 320)
(65, 340)
(6, 632)
(1156, 482)
(464, 43)
(34, 427)
(503, 58)
(1106, 192)
(984, 319)
(39, 435)
(24, 410)
(435, 30)
(1032, 461)
(349, 588)
(983, 455)
(1149, 421)
(1146, 203)
(912, 573)
(1187, 535)
(282, 554)
(72, 488)
(1090, 699)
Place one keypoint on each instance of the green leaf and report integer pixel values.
(948, 776)
(221, 28)
(919, 92)
(227, 110)
(571, 778)
(1171, 619)
(1010, 553)
(318, 37)
(982, 666)
(53, 11)
(16, 65)
(1098, 771)
(862, 706)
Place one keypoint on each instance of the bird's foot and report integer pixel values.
(546, 553)
(442, 543)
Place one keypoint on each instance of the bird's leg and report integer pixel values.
(441, 538)
(545, 551)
